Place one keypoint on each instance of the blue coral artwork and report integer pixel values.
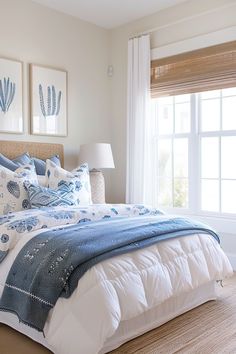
(7, 93)
(48, 101)
(50, 105)
(11, 108)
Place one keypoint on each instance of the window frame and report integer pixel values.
(194, 162)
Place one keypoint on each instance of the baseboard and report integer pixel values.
(232, 259)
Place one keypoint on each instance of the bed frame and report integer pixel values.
(12, 149)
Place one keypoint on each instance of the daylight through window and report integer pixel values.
(196, 143)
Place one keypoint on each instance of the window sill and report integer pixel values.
(221, 223)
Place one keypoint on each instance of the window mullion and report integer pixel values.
(172, 141)
(193, 152)
(220, 140)
(198, 119)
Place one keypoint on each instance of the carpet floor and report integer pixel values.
(208, 329)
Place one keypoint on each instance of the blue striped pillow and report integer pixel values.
(40, 197)
(40, 165)
(12, 165)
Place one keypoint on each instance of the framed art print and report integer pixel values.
(11, 96)
(48, 101)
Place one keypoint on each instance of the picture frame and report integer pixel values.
(11, 96)
(48, 98)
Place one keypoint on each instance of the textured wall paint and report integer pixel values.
(36, 34)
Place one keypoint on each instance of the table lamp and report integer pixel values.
(98, 156)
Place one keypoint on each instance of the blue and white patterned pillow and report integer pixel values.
(13, 196)
(79, 176)
(41, 197)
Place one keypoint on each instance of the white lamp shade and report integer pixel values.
(97, 155)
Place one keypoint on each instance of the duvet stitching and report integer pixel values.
(164, 263)
(110, 280)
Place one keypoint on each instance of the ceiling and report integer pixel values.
(109, 13)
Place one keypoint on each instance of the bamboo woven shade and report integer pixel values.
(200, 70)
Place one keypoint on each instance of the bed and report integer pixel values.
(124, 296)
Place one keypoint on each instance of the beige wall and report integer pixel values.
(183, 21)
(35, 34)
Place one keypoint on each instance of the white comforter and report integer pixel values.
(126, 286)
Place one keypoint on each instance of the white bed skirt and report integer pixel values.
(137, 326)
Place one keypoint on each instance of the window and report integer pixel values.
(173, 127)
(196, 148)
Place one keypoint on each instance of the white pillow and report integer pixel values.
(42, 180)
(13, 195)
(80, 176)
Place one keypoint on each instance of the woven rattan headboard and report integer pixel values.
(12, 149)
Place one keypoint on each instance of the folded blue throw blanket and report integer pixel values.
(51, 263)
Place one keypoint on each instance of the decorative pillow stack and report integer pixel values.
(13, 195)
(55, 175)
(25, 159)
(20, 189)
(40, 197)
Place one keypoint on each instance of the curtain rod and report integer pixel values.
(150, 31)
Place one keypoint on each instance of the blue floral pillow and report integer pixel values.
(40, 197)
(79, 176)
(13, 196)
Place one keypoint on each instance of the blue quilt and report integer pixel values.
(50, 264)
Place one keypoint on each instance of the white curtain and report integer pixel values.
(140, 183)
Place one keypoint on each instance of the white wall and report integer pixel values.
(36, 34)
(183, 21)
